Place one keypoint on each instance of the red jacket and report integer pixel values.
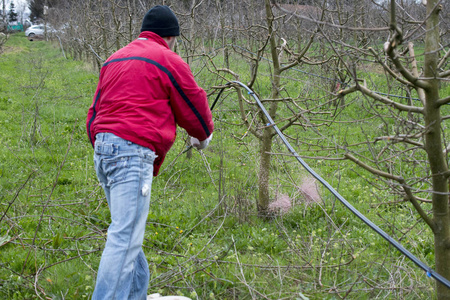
(144, 90)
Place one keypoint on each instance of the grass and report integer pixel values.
(203, 238)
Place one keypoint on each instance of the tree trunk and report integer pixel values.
(433, 147)
(266, 141)
(264, 173)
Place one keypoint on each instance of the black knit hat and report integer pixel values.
(162, 21)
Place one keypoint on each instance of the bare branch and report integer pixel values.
(236, 76)
(318, 22)
(415, 72)
(400, 180)
(400, 138)
(380, 98)
(389, 48)
(445, 73)
(389, 70)
(388, 101)
(298, 57)
(444, 60)
(443, 101)
(372, 170)
(256, 60)
(243, 116)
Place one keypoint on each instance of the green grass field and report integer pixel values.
(203, 238)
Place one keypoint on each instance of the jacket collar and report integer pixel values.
(153, 37)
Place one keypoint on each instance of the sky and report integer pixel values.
(20, 6)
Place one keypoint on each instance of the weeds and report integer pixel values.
(203, 237)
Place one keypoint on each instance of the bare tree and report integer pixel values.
(270, 36)
(418, 137)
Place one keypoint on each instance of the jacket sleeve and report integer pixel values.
(91, 116)
(189, 103)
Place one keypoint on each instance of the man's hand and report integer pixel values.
(199, 145)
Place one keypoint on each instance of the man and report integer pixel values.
(144, 90)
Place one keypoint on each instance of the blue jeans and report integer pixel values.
(125, 171)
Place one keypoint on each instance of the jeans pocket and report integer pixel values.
(115, 168)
